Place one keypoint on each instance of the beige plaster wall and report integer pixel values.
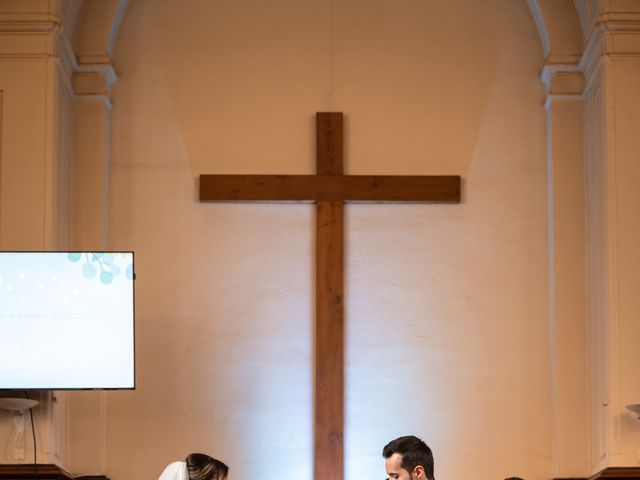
(447, 309)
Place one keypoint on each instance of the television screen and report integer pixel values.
(66, 320)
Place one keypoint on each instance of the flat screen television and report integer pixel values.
(67, 320)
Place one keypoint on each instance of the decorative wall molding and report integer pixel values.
(67, 61)
(538, 18)
(29, 22)
(69, 12)
(549, 72)
(62, 175)
(552, 98)
(104, 18)
(104, 70)
(559, 30)
(28, 46)
(44, 36)
(592, 57)
(94, 98)
(614, 35)
(115, 25)
(619, 21)
(28, 36)
(596, 268)
(587, 11)
(563, 83)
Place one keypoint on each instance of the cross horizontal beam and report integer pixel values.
(330, 189)
(375, 188)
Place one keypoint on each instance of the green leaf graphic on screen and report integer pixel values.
(102, 265)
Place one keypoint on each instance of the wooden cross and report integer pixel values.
(329, 188)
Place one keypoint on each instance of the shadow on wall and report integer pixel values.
(260, 78)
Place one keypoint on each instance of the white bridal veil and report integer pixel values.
(175, 471)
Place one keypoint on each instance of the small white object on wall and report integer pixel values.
(17, 406)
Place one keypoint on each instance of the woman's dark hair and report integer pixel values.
(204, 467)
(414, 452)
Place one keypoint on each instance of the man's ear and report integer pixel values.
(418, 473)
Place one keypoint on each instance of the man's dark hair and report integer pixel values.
(204, 467)
(414, 452)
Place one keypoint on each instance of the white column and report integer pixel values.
(612, 143)
(94, 38)
(567, 276)
(32, 159)
(92, 111)
(35, 128)
(86, 410)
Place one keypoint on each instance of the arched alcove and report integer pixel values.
(560, 30)
(426, 87)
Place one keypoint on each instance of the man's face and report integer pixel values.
(394, 470)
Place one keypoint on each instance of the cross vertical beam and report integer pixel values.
(329, 324)
(329, 188)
